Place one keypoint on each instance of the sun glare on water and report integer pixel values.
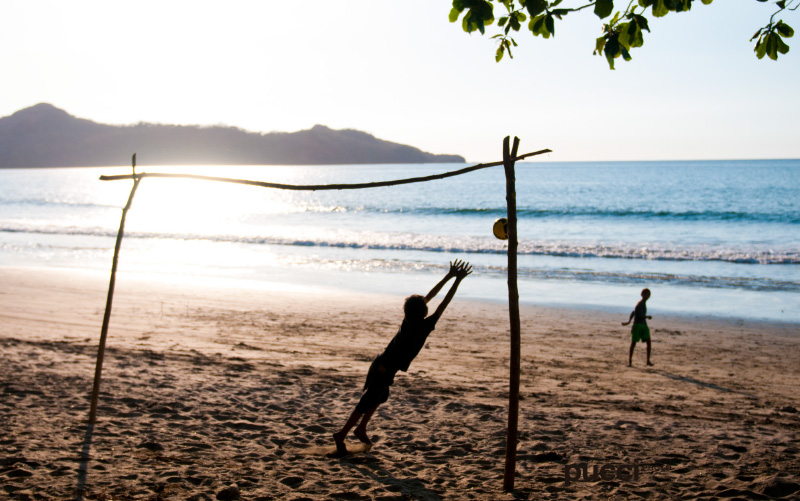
(200, 207)
(170, 213)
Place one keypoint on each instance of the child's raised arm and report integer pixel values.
(454, 265)
(461, 271)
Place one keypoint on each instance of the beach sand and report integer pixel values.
(231, 392)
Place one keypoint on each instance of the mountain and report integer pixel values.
(45, 136)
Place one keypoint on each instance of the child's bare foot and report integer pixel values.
(341, 449)
(649, 363)
(361, 435)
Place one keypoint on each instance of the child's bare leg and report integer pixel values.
(648, 352)
(339, 436)
(630, 355)
(361, 430)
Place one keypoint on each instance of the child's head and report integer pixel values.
(415, 307)
(645, 293)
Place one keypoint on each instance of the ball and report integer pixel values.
(500, 228)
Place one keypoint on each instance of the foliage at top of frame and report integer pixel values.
(623, 30)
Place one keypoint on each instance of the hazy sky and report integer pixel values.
(400, 71)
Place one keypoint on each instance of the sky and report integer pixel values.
(402, 72)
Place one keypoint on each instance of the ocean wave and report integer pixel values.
(641, 279)
(532, 273)
(588, 212)
(56, 204)
(461, 244)
(789, 217)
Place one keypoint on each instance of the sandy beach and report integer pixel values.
(232, 392)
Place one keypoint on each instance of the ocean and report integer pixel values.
(709, 238)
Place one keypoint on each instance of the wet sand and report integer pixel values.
(231, 392)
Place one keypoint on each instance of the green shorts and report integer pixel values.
(640, 332)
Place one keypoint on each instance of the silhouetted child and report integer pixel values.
(397, 356)
(640, 331)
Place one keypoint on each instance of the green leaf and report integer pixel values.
(680, 5)
(454, 13)
(627, 31)
(612, 50)
(472, 22)
(638, 38)
(535, 7)
(660, 8)
(761, 48)
(479, 14)
(502, 21)
(642, 22)
(610, 60)
(772, 46)
(784, 29)
(707, 2)
(466, 25)
(598, 45)
(603, 8)
(550, 25)
(499, 54)
(782, 47)
(508, 47)
(538, 26)
(781, 4)
(630, 35)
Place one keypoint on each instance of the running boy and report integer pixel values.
(397, 356)
(640, 331)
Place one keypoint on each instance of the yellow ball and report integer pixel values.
(500, 228)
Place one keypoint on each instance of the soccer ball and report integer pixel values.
(500, 228)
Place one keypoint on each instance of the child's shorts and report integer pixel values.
(376, 388)
(640, 332)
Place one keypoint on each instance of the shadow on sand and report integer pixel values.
(412, 488)
(703, 384)
(83, 466)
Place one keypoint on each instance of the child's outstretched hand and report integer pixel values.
(454, 266)
(463, 270)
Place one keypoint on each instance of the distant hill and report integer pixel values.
(45, 136)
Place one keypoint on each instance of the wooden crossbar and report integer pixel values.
(319, 187)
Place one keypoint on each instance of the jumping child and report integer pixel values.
(640, 331)
(397, 356)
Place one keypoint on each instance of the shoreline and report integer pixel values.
(208, 285)
(208, 387)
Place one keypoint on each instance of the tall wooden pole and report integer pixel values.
(101, 350)
(513, 312)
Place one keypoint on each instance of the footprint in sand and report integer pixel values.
(330, 450)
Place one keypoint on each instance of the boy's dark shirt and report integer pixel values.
(407, 343)
(640, 313)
